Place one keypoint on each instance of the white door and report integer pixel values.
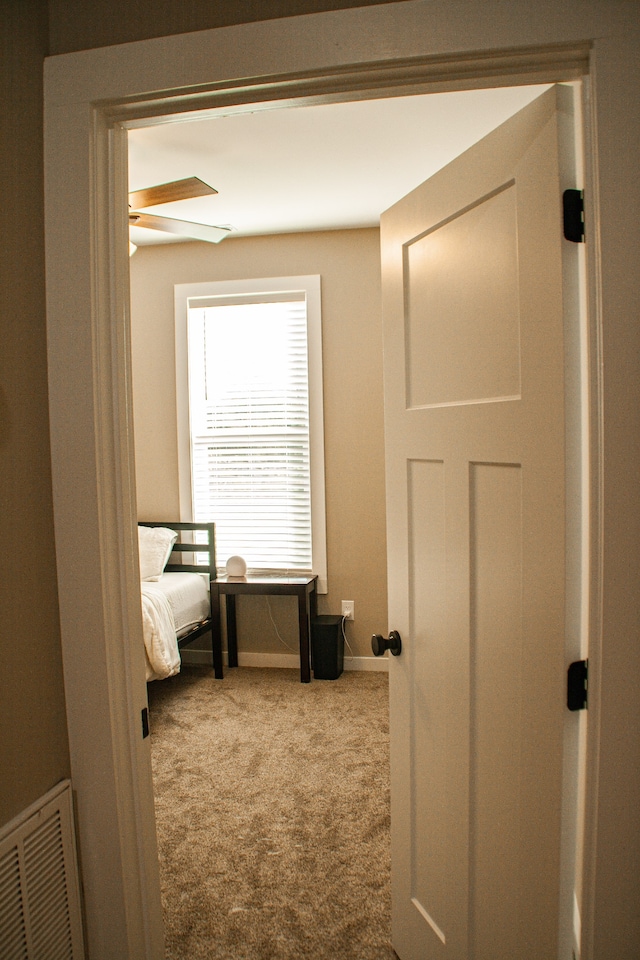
(475, 449)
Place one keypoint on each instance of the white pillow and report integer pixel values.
(154, 545)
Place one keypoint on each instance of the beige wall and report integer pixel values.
(83, 24)
(349, 265)
(33, 745)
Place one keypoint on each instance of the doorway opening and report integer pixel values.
(231, 242)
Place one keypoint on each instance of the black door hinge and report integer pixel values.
(577, 681)
(145, 722)
(573, 215)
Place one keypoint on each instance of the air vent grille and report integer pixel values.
(12, 920)
(39, 894)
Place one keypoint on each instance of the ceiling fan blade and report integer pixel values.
(170, 192)
(182, 228)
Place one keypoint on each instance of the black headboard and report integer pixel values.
(186, 544)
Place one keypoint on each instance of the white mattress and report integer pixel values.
(188, 596)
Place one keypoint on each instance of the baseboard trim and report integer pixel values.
(285, 661)
(372, 664)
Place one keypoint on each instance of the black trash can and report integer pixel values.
(327, 647)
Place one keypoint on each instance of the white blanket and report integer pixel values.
(161, 645)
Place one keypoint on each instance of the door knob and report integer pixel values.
(393, 643)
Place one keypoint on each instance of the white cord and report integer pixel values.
(288, 645)
(344, 637)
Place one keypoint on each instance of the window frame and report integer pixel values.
(310, 285)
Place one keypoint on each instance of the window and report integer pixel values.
(250, 426)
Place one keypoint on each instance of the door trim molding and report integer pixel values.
(363, 81)
(90, 393)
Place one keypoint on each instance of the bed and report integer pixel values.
(176, 592)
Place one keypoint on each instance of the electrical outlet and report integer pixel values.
(347, 609)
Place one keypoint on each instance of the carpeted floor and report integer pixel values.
(272, 805)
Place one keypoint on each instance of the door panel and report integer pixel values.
(429, 806)
(496, 668)
(474, 407)
(461, 269)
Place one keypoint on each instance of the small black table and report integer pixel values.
(304, 588)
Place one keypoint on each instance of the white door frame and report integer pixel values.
(89, 98)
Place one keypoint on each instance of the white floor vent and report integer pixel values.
(39, 892)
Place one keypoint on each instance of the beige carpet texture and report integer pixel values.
(272, 809)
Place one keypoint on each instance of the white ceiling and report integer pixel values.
(324, 167)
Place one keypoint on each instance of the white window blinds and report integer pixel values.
(250, 427)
